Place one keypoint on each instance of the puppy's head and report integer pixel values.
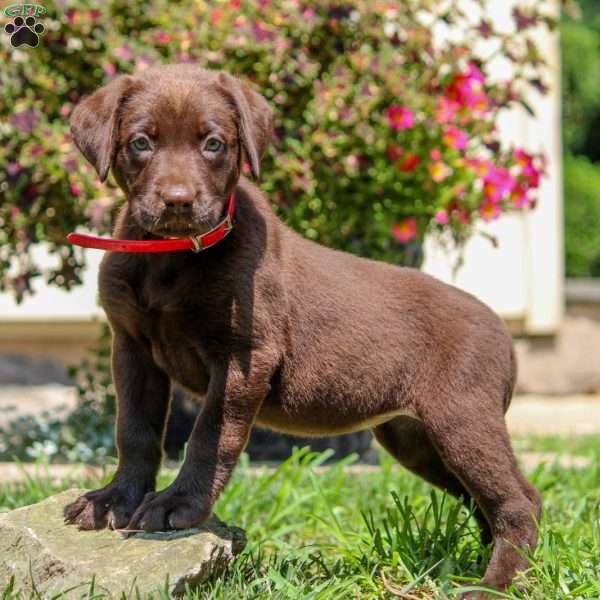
(175, 138)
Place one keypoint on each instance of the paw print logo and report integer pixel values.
(24, 32)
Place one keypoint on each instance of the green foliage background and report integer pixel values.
(581, 127)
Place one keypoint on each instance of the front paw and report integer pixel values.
(172, 508)
(111, 506)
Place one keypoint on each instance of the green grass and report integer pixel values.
(328, 534)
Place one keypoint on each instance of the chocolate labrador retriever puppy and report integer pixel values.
(270, 328)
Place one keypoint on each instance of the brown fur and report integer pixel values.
(270, 328)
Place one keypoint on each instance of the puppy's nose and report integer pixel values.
(177, 197)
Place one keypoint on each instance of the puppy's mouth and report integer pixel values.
(174, 227)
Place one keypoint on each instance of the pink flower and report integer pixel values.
(141, 64)
(436, 154)
(215, 15)
(489, 210)
(498, 183)
(262, 32)
(123, 52)
(475, 74)
(163, 38)
(523, 158)
(468, 91)
(352, 162)
(446, 110)
(410, 163)
(439, 171)
(441, 217)
(70, 164)
(76, 189)
(455, 138)
(479, 166)
(110, 69)
(37, 151)
(531, 173)
(14, 168)
(519, 197)
(72, 16)
(400, 117)
(405, 231)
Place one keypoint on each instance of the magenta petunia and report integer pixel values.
(400, 117)
(441, 217)
(498, 183)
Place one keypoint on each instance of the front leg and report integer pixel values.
(143, 392)
(216, 442)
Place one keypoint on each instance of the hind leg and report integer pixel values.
(405, 439)
(471, 436)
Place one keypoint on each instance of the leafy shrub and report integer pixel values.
(582, 216)
(383, 129)
(581, 87)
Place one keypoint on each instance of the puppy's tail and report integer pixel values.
(510, 388)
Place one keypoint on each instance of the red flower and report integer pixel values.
(405, 231)
(411, 162)
(394, 152)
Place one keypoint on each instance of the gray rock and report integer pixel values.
(44, 554)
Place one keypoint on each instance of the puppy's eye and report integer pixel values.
(213, 145)
(140, 144)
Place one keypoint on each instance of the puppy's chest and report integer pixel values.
(188, 321)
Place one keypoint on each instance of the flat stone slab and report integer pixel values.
(44, 554)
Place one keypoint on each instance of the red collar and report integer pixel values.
(195, 243)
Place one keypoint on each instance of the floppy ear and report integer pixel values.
(255, 119)
(94, 123)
